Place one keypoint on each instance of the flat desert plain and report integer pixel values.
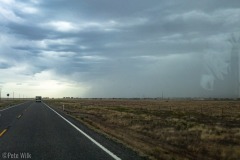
(163, 129)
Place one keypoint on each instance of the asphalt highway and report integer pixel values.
(35, 131)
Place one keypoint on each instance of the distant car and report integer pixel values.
(38, 99)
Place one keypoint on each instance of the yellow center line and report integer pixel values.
(5, 130)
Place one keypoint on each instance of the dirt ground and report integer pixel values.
(164, 129)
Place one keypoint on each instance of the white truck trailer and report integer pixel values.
(38, 99)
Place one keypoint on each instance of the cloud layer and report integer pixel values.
(112, 48)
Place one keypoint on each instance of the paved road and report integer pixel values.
(34, 131)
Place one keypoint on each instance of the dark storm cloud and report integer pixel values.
(98, 10)
(116, 46)
(29, 31)
(4, 65)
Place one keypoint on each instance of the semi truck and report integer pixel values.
(38, 99)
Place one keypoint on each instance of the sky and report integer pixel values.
(119, 49)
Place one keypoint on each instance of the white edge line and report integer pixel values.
(12, 106)
(90, 138)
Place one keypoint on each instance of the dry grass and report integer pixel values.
(164, 129)
(5, 103)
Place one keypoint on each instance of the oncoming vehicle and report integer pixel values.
(38, 99)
